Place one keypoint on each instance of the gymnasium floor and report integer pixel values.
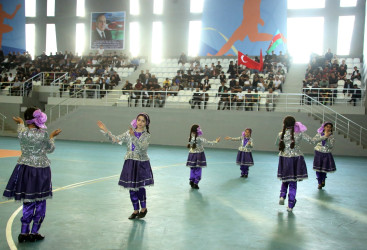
(90, 211)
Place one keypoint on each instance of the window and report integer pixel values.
(345, 32)
(80, 8)
(348, 3)
(305, 36)
(157, 42)
(306, 4)
(30, 8)
(134, 7)
(158, 7)
(79, 39)
(194, 37)
(50, 7)
(30, 29)
(196, 6)
(134, 39)
(51, 45)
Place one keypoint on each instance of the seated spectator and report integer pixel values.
(205, 97)
(277, 84)
(249, 102)
(270, 101)
(222, 76)
(236, 88)
(159, 98)
(223, 94)
(182, 59)
(64, 86)
(206, 83)
(325, 96)
(348, 87)
(247, 84)
(166, 83)
(103, 87)
(355, 74)
(196, 99)
(238, 99)
(174, 89)
(137, 92)
(231, 68)
(324, 83)
(127, 87)
(261, 85)
(333, 80)
(356, 94)
(342, 73)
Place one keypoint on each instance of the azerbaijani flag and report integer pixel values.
(278, 38)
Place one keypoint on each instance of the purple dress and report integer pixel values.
(31, 177)
(136, 172)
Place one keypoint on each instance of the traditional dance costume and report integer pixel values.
(323, 162)
(30, 181)
(244, 155)
(292, 166)
(196, 159)
(136, 172)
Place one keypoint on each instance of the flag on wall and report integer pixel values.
(278, 38)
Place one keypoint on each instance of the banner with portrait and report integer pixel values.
(107, 30)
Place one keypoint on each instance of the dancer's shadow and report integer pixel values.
(323, 195)
(136, 235)
(286, 234)
(234, 183)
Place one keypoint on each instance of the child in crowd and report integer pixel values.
(136, 172)
(292, 166)
(196, 159)
(244, 155)
(323, 162)
(30, 181)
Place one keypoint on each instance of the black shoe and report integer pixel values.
(191, 183)
(195, 186)
(142, 214)
(323, 184)
(23, 238)
(242, 175)
(319, 186)
(133, 216)
(246, 175)
(36, 237)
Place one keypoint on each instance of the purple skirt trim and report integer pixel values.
(244, 158)
(292, 168)
(324, 162)
(196, 160)
(136, 174)
(29, 184)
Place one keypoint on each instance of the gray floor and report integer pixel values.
(227, 212)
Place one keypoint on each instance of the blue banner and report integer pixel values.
(12, 26)
(242, 25)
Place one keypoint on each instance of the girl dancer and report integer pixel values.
(30, 181)
(136, 172)
(292, 165)
(244, 155)
(324, 162)
(197, 160)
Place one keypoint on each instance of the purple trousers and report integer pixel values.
(244, 169)
(35, 211)
(292, 192)
(195, 175)
(321, 176)
(137, 196)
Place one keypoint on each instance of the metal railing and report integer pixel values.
(64, 107)
(187, 99)
(2, 117)
(15, 88)
(342, 124)
(329, 96)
